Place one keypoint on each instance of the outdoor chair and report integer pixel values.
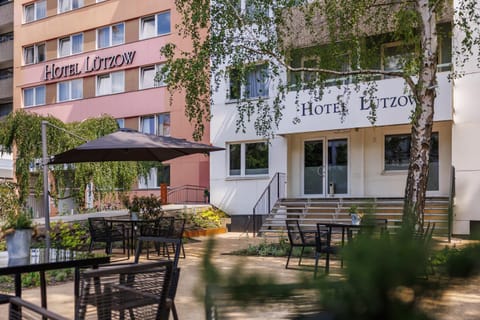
(298, 238)
(21, 309)
(323, 245)
(101, 231)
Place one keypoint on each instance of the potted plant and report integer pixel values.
(355, 214)
(133, 206)
(16, 222)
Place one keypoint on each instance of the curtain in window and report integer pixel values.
(29, 13)
(77, 4)
(117, 34)
(148, 27)
(41, 53)
(117, 81)
(63, 5)
(77, 43)
(147, 124)
(104, 37)
(257, 85)
(64, 47)
(163, 23)
(40, 95)
(41, 9)
(103, 85)
(29, 54)
(164, 124)
(28, 97)
(63, 91)
(148, 76)
(77, 89)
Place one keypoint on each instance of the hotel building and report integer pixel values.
(78, 59)
(322, 155)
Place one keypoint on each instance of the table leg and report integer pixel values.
(76, 291)
(18, 284)
(43, 289)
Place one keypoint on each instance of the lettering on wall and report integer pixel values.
(309, 109)
(97, 63)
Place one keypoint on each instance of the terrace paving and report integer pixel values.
(460, 301)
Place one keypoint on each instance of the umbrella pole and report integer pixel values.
(45, 184)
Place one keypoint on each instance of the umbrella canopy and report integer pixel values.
(131, 145)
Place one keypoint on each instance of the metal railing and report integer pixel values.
(274, 191)
(187, 194)
(451, 198)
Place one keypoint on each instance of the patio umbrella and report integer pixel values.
(131, 145)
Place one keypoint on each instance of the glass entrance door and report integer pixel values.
(325, 167)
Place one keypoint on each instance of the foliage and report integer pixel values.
(65, 235)
(149, 207)
(23, 130)
(269, 249)
(460, 262)
(208, 218)
(342, 39)
(9, 203)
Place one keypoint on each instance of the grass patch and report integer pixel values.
(271, 249)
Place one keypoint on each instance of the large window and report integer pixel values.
(34, 54)
(151, 77)
(156, 25)
(255, 84)
(67, 5)
(111, 35)
(35, 11)
(110, 83)
(158, 124)
(247, 159)
(70, 90)
(397, 156)
(70, 45)
(34, 96)
(155, 177)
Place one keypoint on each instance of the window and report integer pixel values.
(156, 25)
(155, 177)
(35, 11)
(156, 124)
(151, 77)
(34, 54)
(70, 45)
(246, 159)
(397, 156)
(110, 83)
(34, 96)
(70, 90)
(121, 123)
(5, 108)
(255, 85)
(4, 37)
(111, 35)
(395, 55)
(255, 8)
(67, 5)
(6, 73)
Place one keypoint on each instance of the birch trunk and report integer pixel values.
(417, 178)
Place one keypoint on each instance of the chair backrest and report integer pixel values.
(178, 228)
(294, 233)
(323, 238)
(99, 229)
(165, 226)
(137, 290)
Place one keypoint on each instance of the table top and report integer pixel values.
(42, 259)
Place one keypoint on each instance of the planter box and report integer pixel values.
(203, 232)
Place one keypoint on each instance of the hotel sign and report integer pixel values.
(97, 63)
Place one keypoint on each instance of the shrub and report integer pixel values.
(69, 235)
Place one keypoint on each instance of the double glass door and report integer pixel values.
(325, 167)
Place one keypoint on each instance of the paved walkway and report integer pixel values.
(461, 301)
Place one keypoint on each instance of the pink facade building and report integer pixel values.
(78, 59)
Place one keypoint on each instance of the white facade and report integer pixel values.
(363, 172)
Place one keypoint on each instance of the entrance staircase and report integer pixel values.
(311, 211)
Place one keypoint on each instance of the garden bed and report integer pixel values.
(203, 232)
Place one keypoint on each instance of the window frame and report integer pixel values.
(35, 57)
(152, 180)
(156, 84)
(241, 85)
(110, 76)
(156, 16)
(70, 84)
(34, 96)
(70, 5)
(70, 45)
(110, 35)
(35, 5)
(166, 131)
(244, 171)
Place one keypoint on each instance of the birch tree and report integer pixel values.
(344, 35)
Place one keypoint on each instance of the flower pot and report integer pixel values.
(355, 219)
(18, 243)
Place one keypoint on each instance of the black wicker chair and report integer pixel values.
(298, 238)
(101, 231)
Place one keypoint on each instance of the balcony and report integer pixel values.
(6, 88)
(6, 50)
(6, 14)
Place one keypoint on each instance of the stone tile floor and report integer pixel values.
(460, 301)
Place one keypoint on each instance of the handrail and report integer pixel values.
(187, 194)
(267, 199)
(450, 202)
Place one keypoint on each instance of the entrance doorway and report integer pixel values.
(325, 167)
